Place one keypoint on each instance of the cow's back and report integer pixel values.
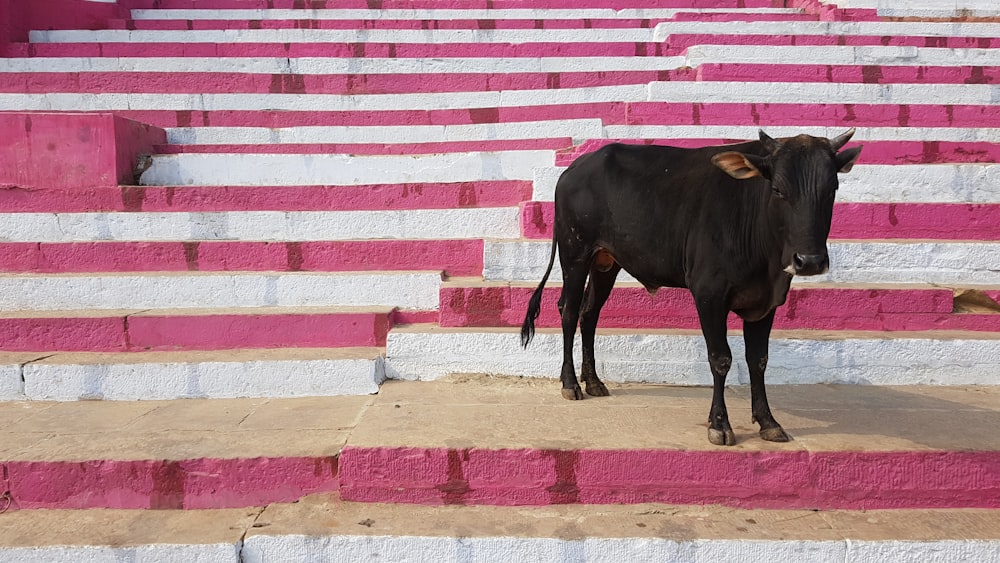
(651, 206)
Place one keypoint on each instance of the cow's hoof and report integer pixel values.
(574, 394)
(597, 389)
(721, 437)
(776, 434)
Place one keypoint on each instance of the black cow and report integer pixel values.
(732, 223)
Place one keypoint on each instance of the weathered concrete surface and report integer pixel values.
(479, 440)
(322, 527)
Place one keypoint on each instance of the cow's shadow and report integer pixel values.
(863, 417)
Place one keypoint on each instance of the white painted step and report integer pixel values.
(954, 134)
(925, 8)
(427, 352)
(864, 262)
(301, 226)
(340, 65)
(676, 92)
(340, 169)
(875, 183)
(323, 528)
(134, 376)
(660, 33)
(390, 134)
(37, 292)
(841, 55)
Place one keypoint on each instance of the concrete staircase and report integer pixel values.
(316, 198)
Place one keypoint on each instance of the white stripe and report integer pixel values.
(163, 380)
(661, 33)
(841, 55)
(397, 36)
(676, 92)
(186, 291)
(954, 134)
(393, 134)
(879, 183)
(161, 553)
(823, 93)
(960, 263)
(327, 169)
(441, 14)
(417, 224)
(880, 28)
(340, 65)
(679, 359)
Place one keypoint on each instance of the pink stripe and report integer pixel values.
(374, 149)
(193, 332)
(236, 83)
(806, 308)
(158, 484)
(769, 480)
(937, 221)
(409, 24)
(679, 43)
(875, 152)
(454, 257)
(456, 4)
(867, 74)
(82, 334)
(350, 50)
(611, 113)
(457, 195)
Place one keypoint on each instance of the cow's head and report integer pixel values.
(802, 175)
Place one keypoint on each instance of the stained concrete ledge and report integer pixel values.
(325, 528)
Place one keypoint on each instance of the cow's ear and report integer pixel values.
(738, 165)
(846, 159)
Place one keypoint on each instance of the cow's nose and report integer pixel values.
(811, 264)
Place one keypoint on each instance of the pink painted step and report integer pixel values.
(875, 152)
(820, 308)
(866, 74)
(425, 195)
(745, 479)
(678, 44)
(243, 83)
(456, 5)
(200, 483)
(454, 257)
(611, 113)
(583, 23)
(937, 221)
(194, 330)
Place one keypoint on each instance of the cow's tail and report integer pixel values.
(535, 303)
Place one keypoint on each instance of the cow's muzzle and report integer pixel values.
(810, 264)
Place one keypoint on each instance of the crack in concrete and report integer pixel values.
(243, 536)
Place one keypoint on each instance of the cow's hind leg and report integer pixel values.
(574, 279)
(712, 313)
(598, 289)
(755, 336)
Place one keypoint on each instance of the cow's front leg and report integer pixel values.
(712, 313)
(755, 336)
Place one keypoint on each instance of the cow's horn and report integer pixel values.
(840, 141)
(770, 144)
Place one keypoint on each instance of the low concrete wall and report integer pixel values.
(75, 150)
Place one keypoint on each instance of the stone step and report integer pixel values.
(145, 376)
(952, 263)
(193, 329)
(200, 290)
(509, 441)
(453, 257)
(472, 303)
(854, 221)
(323, 526)
(194, 453)
(677, 357)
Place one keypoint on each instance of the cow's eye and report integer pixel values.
(777, 193)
